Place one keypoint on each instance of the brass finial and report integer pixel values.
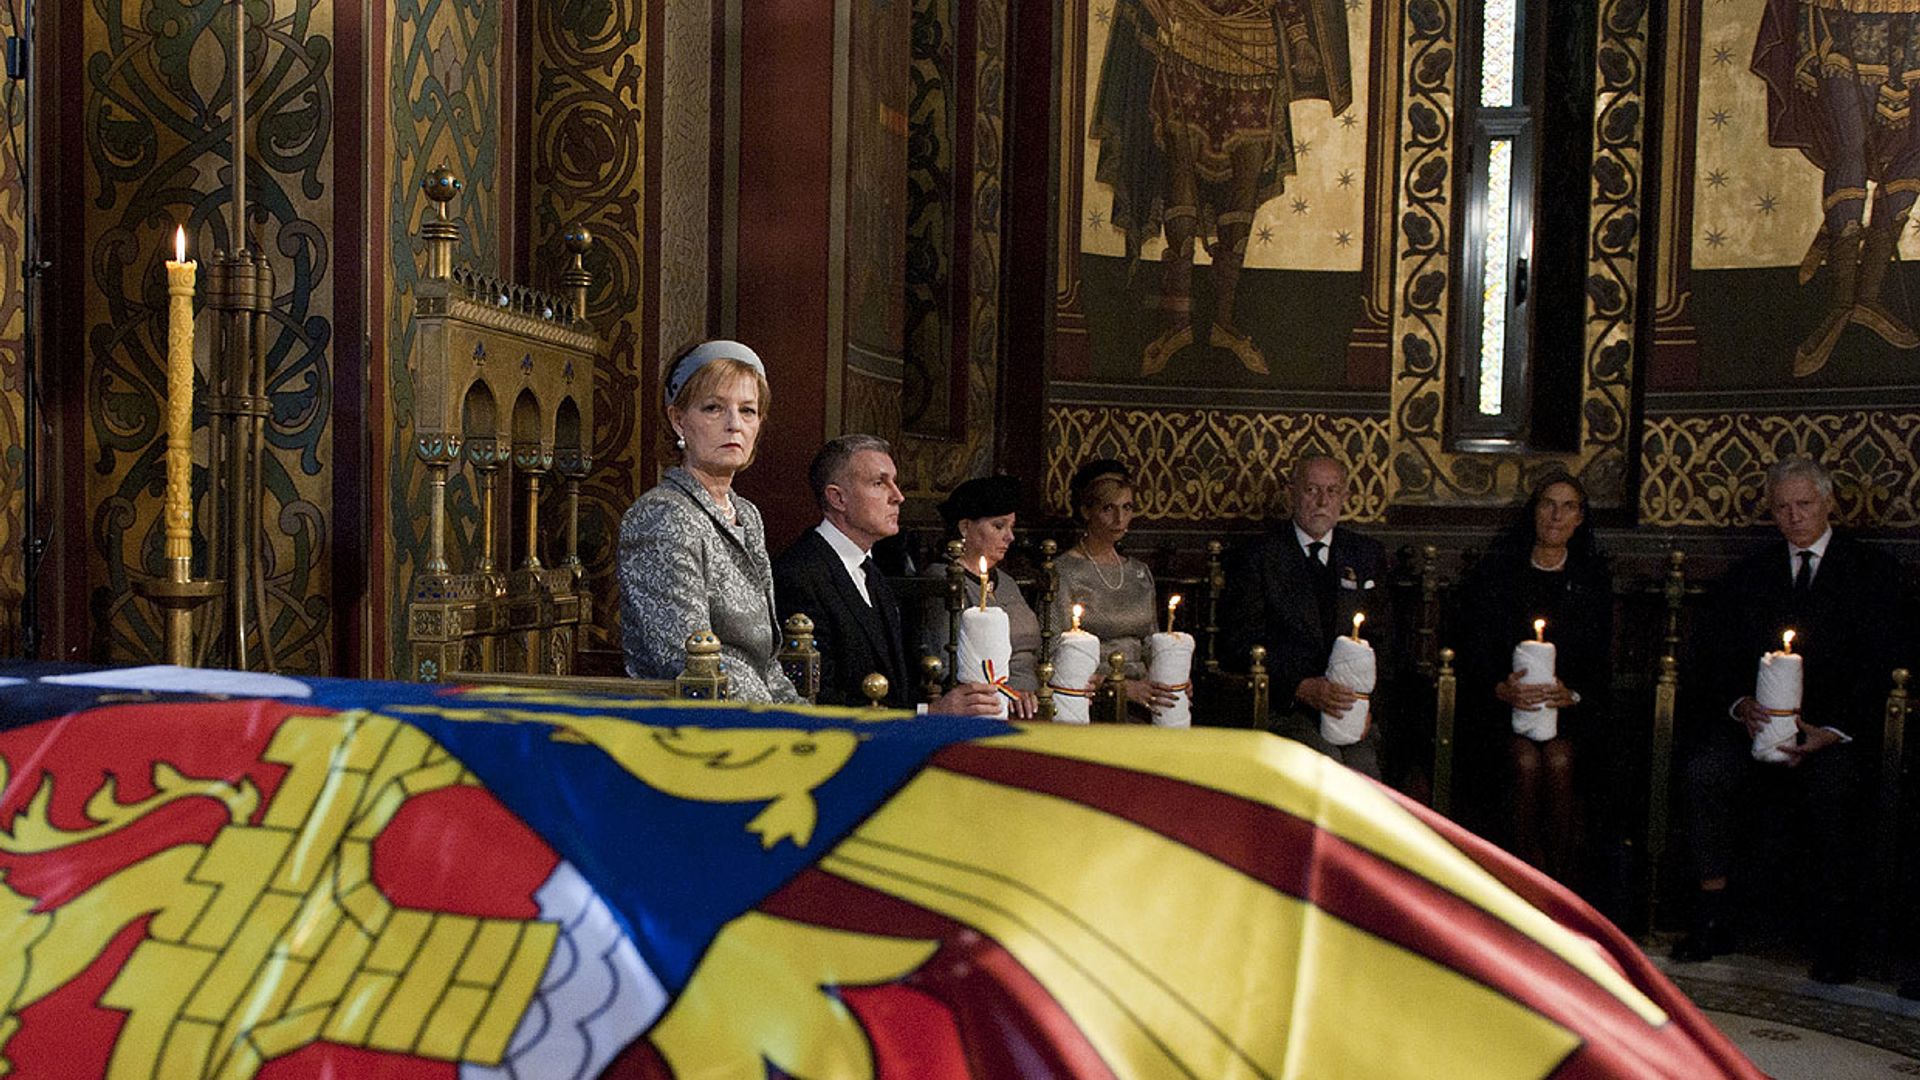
(932, 674)
(441, 186)
(1117, 665)
(1446, 659)
(1259, 658)
(576, 279)
(1049, 548)
(798, 623)
(875, 687)
(1676, 558)
(1900, 676)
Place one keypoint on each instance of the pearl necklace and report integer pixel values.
(1111, 585)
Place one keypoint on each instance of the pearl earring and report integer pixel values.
(679, 442)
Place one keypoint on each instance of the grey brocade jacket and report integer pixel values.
(683, 569)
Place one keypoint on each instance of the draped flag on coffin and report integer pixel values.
(329, 877)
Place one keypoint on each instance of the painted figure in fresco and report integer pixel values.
(1840, 77)
(1192, 119)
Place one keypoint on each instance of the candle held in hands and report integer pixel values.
(1786, 642)
(1078, 609)
(1539, 629)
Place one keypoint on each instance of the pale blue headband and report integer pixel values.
(704, 354)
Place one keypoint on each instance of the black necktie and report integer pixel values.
(1803, 577)
(1323, 585)
(871, 574)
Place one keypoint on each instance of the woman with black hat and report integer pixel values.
(981, 513)
(693, 553)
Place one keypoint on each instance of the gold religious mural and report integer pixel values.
(1709, 469)
(1802, 171)
(1215, 211)
(1215, 465)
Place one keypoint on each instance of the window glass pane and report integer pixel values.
(1493, 280)
(1496, 54)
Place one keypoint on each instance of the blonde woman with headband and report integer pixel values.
(693, 552)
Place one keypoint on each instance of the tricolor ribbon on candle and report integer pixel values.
(998, 682)
(1082, 692)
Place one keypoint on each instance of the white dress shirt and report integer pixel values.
(1325, 542)
(1819, 549)
(851, 556)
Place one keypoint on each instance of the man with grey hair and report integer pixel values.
(1293, 591)
(1839, 596)
(828, 575)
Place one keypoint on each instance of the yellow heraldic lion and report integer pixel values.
(724, 765)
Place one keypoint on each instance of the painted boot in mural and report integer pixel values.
(1226, 284)
(1880, 252)
(1843, 265)
(1816, 253)
(1176, 297)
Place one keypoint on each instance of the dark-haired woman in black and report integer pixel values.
(1545, 566)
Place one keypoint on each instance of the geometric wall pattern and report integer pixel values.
(1708, 469)
(1215, 465)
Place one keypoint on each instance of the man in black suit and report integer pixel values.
(1295, 589)
(828, 574)
(1840, 597)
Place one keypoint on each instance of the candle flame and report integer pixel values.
(983, 566)
(1358, 618)
(180, 243)
(1077, 610)
(1539, 629)
(1786, 641)
(983, 583)
(1173, 601)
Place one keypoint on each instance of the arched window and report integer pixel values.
(1526, 99)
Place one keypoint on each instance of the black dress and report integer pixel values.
(1499, 600)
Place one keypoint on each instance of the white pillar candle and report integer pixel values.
(1076, 656)
(1778, 688)
(1534, 661)
(1352, 665)
(1170, 667)
(986, 649)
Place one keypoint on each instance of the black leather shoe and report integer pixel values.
(1832, 972)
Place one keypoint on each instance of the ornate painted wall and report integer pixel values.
(961, 237)
(156, 119)
(1262, 343)
(12, 402)
(1749, 361)
(443, 87)
(1332, 330)
(589, 167)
